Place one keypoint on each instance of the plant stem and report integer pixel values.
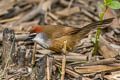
(99, 31)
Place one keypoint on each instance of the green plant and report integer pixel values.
(107, 4)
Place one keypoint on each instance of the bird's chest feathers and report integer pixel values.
(58, 43)
(41, 39)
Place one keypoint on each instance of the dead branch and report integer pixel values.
(103, 62)
(8, 36)
(68, 58)
(106, 50)
(97, 68)
(18, 37)
(68, 70)
(41, 9)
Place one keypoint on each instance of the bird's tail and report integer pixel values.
(86, 29)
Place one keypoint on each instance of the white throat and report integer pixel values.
(42, 40)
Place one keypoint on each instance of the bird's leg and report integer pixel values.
(34, 51)
(64, 60)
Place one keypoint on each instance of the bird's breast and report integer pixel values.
(58, 43)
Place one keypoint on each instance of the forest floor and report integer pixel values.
(18, 17)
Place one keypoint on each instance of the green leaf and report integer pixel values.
(114, 5)
(107, 2)
(94, 40)
(101, 6)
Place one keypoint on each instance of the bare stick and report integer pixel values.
(70, 3)
(33, 55)
(8, 59)
(9, 20)
(63, 61)
(68, 69)
(68, 58)
(48, 69)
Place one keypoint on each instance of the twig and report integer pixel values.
(48, 69)
(90, 15)
(33, 55)
(68, 12)
(19, 37)
(55, 18)
(68, 69)
(70, 3)
(68, 58)
(97, 68)
(63, 61)
(10, 20)
(105, 48)
(7, 59)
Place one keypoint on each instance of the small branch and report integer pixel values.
(20, 37)
(55, 18)
(33, 55)
(10, 20)
(68, 69)
(8, 36)
(68, 58)
(70, 3)
(9, 55)
(97, 68)
(48, 69)
(63, 61)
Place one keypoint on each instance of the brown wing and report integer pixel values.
(57, 31)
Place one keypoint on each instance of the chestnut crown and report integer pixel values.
(36, 29)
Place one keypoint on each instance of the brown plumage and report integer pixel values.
(58, 34)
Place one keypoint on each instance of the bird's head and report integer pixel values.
(34, 32)
(37, 35)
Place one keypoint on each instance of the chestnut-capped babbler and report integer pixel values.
(53, 36)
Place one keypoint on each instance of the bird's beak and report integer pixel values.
(30, 36)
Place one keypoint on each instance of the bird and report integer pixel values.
(52, 37)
